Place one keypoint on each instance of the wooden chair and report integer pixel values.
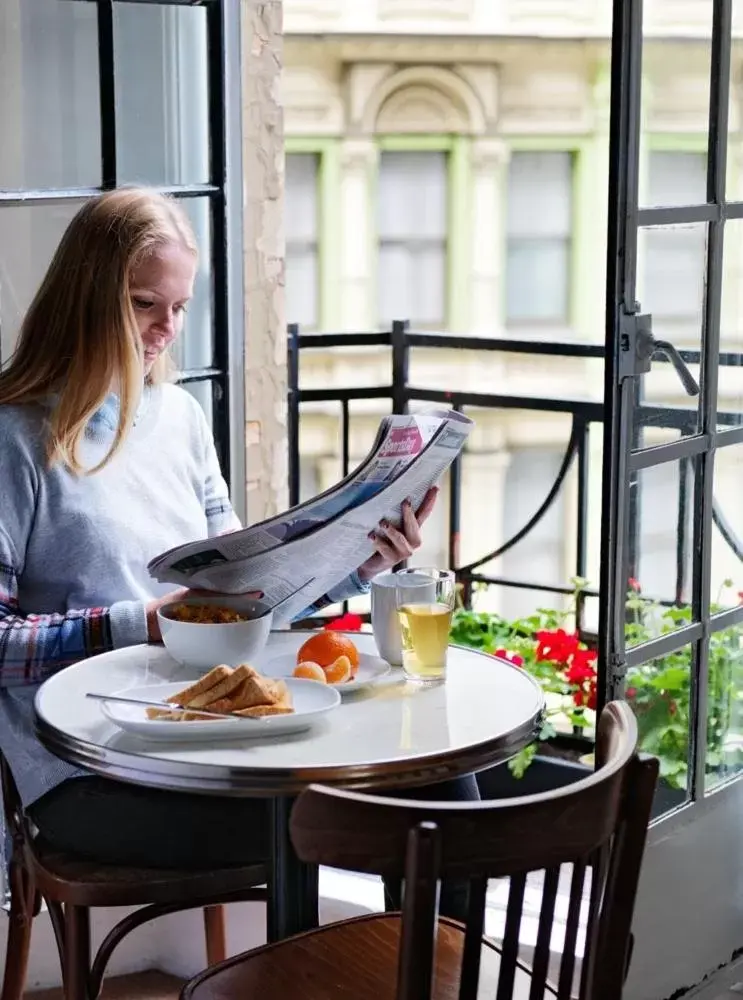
(596, 825)
(71, 886)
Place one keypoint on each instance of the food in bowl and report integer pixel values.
(240, 691)
(206, 614)
(310, 671)
(195, 633)
(326, 647)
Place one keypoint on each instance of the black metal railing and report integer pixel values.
(583, 414)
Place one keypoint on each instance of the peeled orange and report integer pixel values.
(325, 647)
(339, 671)
(310, 671)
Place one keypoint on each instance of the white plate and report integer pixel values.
(371, 670)
(310, 699)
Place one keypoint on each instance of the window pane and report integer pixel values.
(161, 94)
(540, 194)
(301, 271)
(677, 178)
(49, 116)
(661, 535)
(659, 692)
(28, 238)
(537, 277)
(203, 393)
(724, 706)
(301, 278)
(730, 385)
(301, 197)
(726, 582)
(194, 348)
(412, 284)
(412, 195)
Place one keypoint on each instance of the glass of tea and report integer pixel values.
(425, 604)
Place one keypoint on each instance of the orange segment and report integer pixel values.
(310, 671)
(325, 647)
(339, 671)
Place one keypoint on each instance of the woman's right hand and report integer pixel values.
(151, 609)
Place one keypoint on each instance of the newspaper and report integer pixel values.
(297, 557)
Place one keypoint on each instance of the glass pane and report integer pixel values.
(676, 178)
(537, 279)
(203, 393)
(301, 283)
(671, 286)
(412, 284)
(661, 546)
(161, 94)
(730, 386)
(659, 693)
(301, 197)
(49, 116)
(195, 346)
(726, 584)
(540, 194)
(28, 238)
(724, 706)
(412, 195)
(675, 86)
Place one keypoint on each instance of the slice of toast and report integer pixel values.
(252, 691)
(260, 711)
(215, 676)
(221, 690)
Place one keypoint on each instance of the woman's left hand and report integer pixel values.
(395, 545)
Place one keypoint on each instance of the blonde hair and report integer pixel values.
(79, 337)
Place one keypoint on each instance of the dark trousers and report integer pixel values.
(138, 827)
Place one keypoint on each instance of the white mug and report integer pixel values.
(385, 622)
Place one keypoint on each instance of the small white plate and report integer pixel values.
(310, 699)
(371, 670)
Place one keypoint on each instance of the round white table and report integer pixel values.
(392, 735)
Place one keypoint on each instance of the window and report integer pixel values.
(539, 237)
(673, 269)
(412, 225)
(302, 270)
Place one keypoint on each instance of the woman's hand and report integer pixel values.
(395, 545)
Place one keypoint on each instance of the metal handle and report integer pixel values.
(638, 347)
(666, 349)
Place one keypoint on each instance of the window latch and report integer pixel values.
(638, 347)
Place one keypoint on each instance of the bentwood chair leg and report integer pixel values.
(19, 933)
(77, 952)
(215, 933)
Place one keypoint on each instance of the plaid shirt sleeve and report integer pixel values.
(34, 646)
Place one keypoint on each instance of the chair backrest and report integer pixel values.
(597, 825)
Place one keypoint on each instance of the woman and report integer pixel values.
(103, 465)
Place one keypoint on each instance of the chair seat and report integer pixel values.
(92, 883)
(352, 960)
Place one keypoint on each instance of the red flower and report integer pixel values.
(631, 692)
(580, 671)
(514, 658)
(586, 699)
(591, 701)
(346, 623)
(634, 585)
(557, 646)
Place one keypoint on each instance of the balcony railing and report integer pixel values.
(583, 414)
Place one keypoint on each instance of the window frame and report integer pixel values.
(578, 148)
(223, 191)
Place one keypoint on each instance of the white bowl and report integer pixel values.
(204, 646)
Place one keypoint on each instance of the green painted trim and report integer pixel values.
(545, 143)
(675, 142)
(458, 251)
(307, 144)
(329, 236)
(583, 245)
(416, 143)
